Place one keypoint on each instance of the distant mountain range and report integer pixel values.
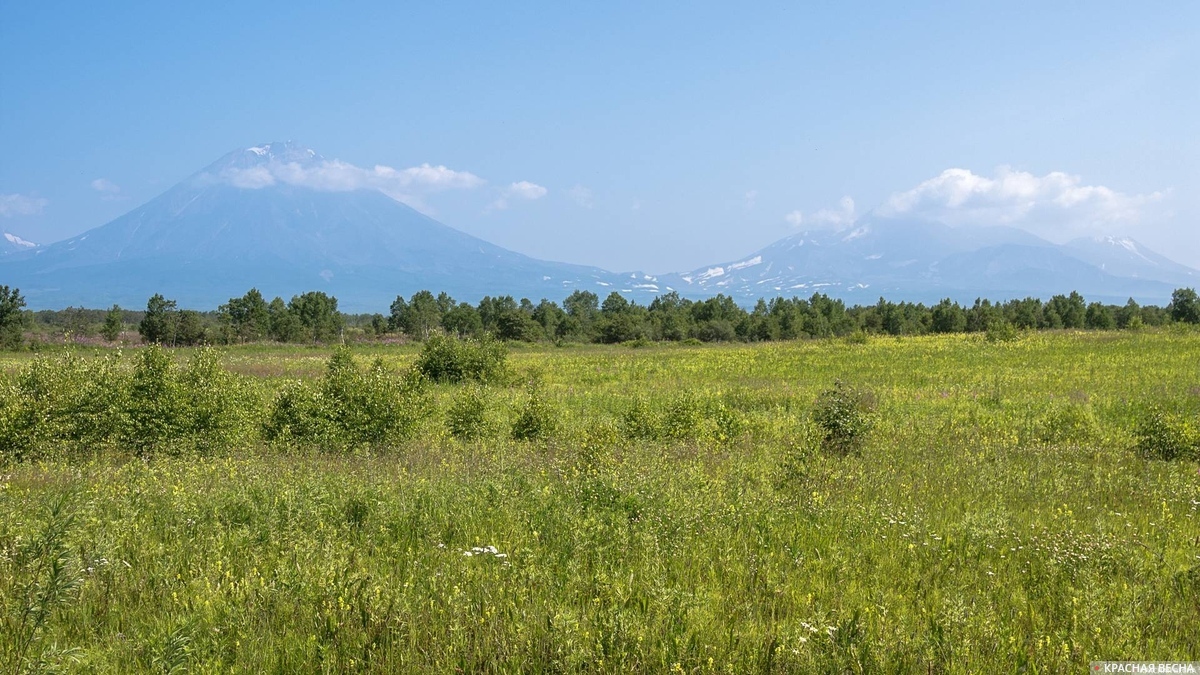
(922, 260)
(222, 231)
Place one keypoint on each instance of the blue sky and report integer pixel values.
(652, 136)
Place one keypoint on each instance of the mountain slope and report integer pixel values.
(1122, 256)
(209, 238)
(925, 261)
(12, 244)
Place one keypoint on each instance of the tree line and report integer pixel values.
(582, 317)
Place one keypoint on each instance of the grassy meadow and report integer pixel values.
(672, 511)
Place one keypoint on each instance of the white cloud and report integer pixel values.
(404, 185)
(751, 199)
(21, 205)
(581, 196)
(105, 186)
(1057, 205)
(520, 190)
(842, 216)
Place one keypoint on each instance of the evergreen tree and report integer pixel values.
(285, 326)
(247, 317)
(12, 317)
(113, 324)
(160, 321)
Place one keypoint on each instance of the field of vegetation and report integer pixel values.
(940, 504)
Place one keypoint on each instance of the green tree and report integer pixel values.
(548, 315)
(12, 317)
(1070, 309)
(379, 325)
(160, 322)
(190, 329)
(318, 315)
(248, 316)
(285, 326)
(948, 317)
(463, 321)
(1099, 317)
(1185, 306)
(418, 317)
(113, 324)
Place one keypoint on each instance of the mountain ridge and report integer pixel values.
(275, 216)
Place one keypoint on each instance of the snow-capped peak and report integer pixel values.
(286, 152)
(17, 241)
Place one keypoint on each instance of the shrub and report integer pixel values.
(684, 417)
(62, 403)
(202, 408)
(467, 417)
(999, 330)
(350, 406)
(845, 415)
(298, 414)
(537, 419)
(639, 421)
(1067, 422)
(450, 359)
(858, 337)
(1165, 435)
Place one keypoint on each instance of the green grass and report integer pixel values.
(997, 519)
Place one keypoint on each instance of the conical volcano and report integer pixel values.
(280, 217)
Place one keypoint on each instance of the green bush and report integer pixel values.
(1066, 422)
(349, 406)
(62, 404)
(298, 414)
(467, 417)
(683, 417)
(71, 406)
(999, 330)
(845, 416)
(1166, 435)
(537, 419)
(450, 359)
(201, 408)
(639, 421)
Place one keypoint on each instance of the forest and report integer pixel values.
(313, 317)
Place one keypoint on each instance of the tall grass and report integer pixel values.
(998, 516)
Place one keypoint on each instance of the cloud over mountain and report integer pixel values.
(842, 216)
(523, 190)
(403, 185)
(1057, 205)
(21, 205)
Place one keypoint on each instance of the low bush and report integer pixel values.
(452, 360)
(70, 406)
(845, 416)
(1166, 435)
(1000, 330)
(63, 404)
(350, 406)
(467, 418)
(683, 417)
(201, 408)
(1066, 422)
(537, 419)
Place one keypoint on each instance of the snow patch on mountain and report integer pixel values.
(756, 260)
(17, 241)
